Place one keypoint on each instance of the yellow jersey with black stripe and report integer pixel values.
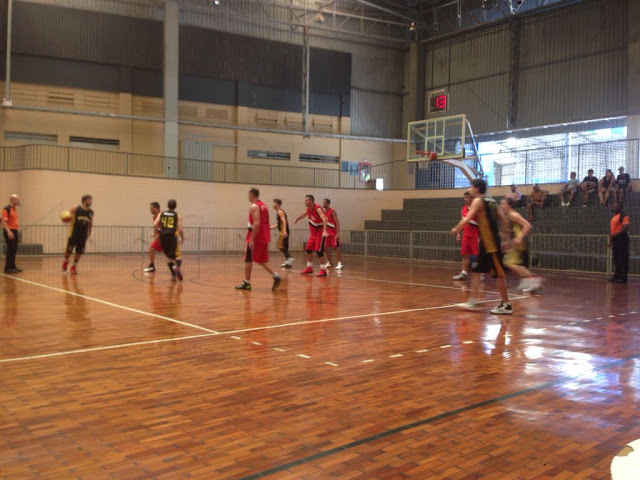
(487, 219)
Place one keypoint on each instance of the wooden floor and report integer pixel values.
(371, 374)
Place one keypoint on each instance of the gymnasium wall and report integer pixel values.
(147, 137)
(123, 201)
(565, 65)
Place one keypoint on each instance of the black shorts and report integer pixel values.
(488, 263)
(77, 242)
(169, 245)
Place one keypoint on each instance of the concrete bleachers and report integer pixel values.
(564, 238)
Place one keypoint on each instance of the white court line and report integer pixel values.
(108, 347)
(412, 283)
(210, 333)
(351, 317)
(110, 304)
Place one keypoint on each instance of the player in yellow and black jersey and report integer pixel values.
(169, 226)
(489, 260)
(79, 232)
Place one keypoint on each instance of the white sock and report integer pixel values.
(275, 275)
(464, 272)
(309, 264)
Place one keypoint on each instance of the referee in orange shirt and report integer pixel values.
(10, 226)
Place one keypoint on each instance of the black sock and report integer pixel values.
(179, 262)
(171, 267)
(286, 254)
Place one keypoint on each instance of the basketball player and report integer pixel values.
(258, 238)
(79, 232)
(517, 256)
(333, 231)
(283, 228)
(318, 232)
(487, 214)
(154, 208)
(468, 240)
(169, 226)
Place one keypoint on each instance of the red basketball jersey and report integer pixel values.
(331, 222)
(315, 222)
(264, 235)
(471, 228)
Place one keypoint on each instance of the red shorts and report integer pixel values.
(332, 242)
(155, 245)
(316, 243)
(259, 254)
(469, 246)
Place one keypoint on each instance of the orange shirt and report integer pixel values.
(616, 225)
(12, 220)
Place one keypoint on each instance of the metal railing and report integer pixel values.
(584, 253)
(396, 175)
(523, 167)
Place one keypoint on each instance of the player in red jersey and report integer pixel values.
(258, 238)
(154, 208)
(318, 229)
(333, 231)
(468, 240)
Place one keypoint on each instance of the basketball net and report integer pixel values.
(427, 156)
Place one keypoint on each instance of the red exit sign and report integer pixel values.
(438, 101)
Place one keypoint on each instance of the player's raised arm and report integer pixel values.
(300, 217)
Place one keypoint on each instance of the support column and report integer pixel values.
(306, 61)
(170, 77)
(633, 88)
(6, 101)
(415, 83)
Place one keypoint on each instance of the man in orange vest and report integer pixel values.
(10, 227)
(619, 244)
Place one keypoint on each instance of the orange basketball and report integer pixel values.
(66, 216)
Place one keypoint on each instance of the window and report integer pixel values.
(264, 155)
(24, 137)
(312, 157)
(97, 143)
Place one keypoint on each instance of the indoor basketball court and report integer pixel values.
(154, 152)
(369, 373)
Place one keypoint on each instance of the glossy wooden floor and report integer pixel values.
(372, 374)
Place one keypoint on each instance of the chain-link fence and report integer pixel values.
(554, 164)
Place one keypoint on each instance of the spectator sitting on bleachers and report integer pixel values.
(607, 185)
(589, 185)
(623, 186)
(570, 187)
(537, 198)
(515, 195)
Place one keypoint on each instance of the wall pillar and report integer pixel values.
(414, 88)
(633, 87)
(170, 77)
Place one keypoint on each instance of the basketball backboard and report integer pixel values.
(444, 139)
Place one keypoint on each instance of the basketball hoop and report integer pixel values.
(427, 154)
